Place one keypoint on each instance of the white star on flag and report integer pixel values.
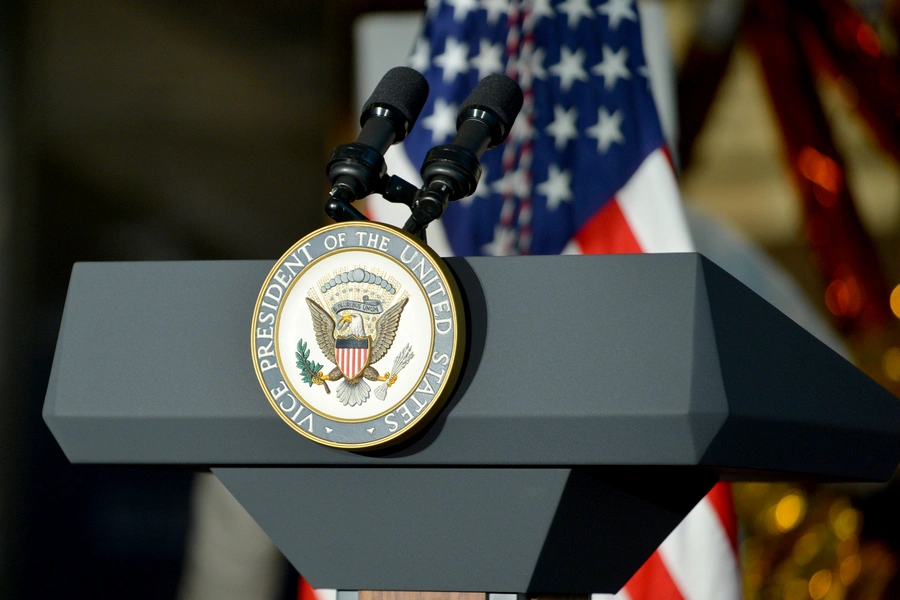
(489, 59)
(513, 183)
(495, 9)
(569, 68)
(644, 72)
(454, 60)
(420, 59)
(563, 127)
(523, 129)
(575, 9)
(441, 122)
(503, 244)
(540, 9)
(617, 10)
(612, 67)
(607, 130)
(462, 8)
(557, 188)
(530, 65)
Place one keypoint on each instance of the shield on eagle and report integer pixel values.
(351, 354)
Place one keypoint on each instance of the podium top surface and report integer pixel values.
(571, 360)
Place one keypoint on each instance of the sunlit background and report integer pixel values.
(150, 130)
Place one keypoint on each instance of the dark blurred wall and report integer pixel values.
(140, 130)
(11, 409)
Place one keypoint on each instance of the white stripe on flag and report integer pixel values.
(622, 595)
(650, 204)
(700, 558)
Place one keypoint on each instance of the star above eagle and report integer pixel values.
(344, 343)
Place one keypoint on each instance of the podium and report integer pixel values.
(601, 398)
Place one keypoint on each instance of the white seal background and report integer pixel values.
(295, 322)
(410, 265)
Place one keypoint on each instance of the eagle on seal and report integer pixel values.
(345, 343)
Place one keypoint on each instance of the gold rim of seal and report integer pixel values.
(445, 388)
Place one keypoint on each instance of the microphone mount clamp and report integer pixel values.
(354, 169)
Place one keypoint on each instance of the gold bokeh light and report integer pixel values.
(895, 301)
(890, 363)
(850, 568)
(819, 584)
(790, 510)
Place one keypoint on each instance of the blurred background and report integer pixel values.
(149, 130)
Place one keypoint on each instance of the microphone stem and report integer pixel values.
(474, 135)
(339, 205)
(377, 133)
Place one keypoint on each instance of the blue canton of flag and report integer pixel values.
(588, 122)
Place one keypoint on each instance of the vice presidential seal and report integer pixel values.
(357, 335)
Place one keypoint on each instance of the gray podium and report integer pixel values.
(601, 398)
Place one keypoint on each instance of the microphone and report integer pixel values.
(452, 171)
(486, 116)
(356, 169)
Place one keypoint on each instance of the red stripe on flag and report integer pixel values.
(668, 153)
(304, 590)
(721, 500)
(653, 581)
(607, 232)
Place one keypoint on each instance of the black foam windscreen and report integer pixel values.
(402, 89)
(498, 94)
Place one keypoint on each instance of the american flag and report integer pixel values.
(585, 170)
(587, 152)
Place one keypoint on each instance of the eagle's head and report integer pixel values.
(351, 324)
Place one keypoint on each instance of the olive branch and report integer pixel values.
(309, 369)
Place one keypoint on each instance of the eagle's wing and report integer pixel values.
(386, 330)
(323, 325)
